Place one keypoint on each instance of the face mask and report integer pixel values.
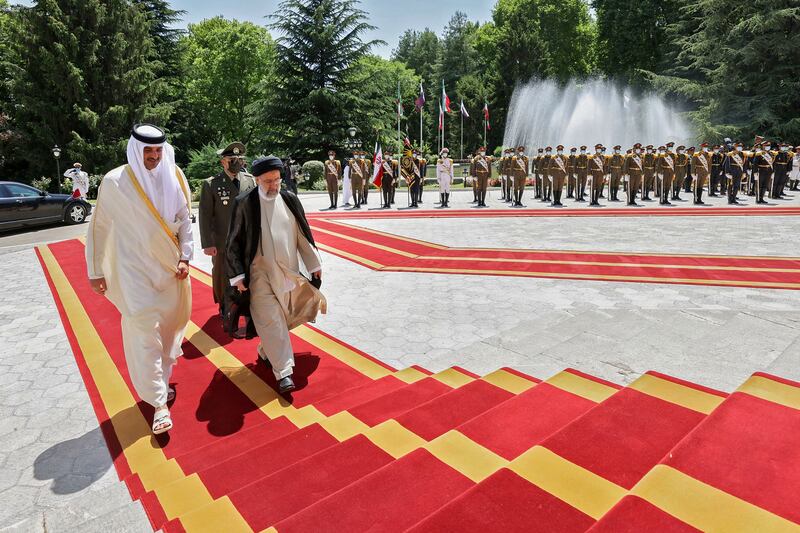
(330, 157)
(767, 148)
(616, 151)
(705, 149)
(784, 148)
(547, 152)
(716, 150)
(521, 153)
(483, 154)
(583, 152)
(637, 151)
(649, 151)
(660, 151)
(599, 151)
(560, 152)
(680, 151)
(739, 148)
(235, 165)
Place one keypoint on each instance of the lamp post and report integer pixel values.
(352, 143)
(57, 154)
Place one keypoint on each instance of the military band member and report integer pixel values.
(388, 179)
(598, 167)
(216, 206)
(782, 166)
(572, 176)
(444, 175)
(356, 180)
(763, 162)
(536, 167)
(615, 169)
(681, 162)
(409, 171)
(366, 166)
(633, 168)
(717, 177)
(649, 168)
(518, 166)
(581, 173)
(736, 165)
(701, 165)
(557, 173)
(333, 173)
(482, 169)
(666, 169)
(547, 179)
(422, 165)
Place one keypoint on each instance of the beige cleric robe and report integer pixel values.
(137, 251)
(281, 298)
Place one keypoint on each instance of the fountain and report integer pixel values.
(545, 113)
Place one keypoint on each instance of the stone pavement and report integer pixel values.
(56, 473)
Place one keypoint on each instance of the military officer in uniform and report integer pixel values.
(782, 166)
(481, 168)
(681, 162)
(735, 167)
(666, 169)
(333, 173)
(536, 165)
(598, 166)
(615, 163)
(633, 169)
(763, 161)
(717, 178)
(366, 167)
(544, 171)
(444, 175)
(356, 180)
(581, 174)
(422, 165)
(388, 179)
(503, 170)
(649, 174)
(216, 206)
(571, 175)
(518, 167)
(557, 173)
(701, 165)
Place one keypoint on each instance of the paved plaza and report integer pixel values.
(56, 473)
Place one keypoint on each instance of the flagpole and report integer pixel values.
(462, 129)
(420, 126)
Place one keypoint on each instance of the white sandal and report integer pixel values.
(161, 421)
(170, 394)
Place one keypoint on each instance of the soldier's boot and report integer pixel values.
(699, 197)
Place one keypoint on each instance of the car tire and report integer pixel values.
(75, 214)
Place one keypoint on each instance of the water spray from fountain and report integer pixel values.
(545, 113)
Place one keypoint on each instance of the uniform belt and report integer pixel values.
(616, 167)
(581, 167)
(650, 168)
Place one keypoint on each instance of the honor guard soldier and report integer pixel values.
(356, 180)
(366, 166)
(502, 163)
(474, 179)
(547, 181)
(388, 179)
(681, 162)
(444, 175)
(615, 170)
(333, 173)
(581, 175)
(782, 166)
(482, 169)
(571, 175)
(633, 168)
(603, 188)
(666, 169)
(557, 172)
(537, 173)
(649, 176)
(763, 161)
(794, 171)
(504, 167)
(688, 181)
(701, 166)
(717, 177)
(509, 194)
(598, 166)
(735, 167)
(409, 171)
(422, 166)
(216, 206)
(518, 166)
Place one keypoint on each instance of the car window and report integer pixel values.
(3, 192)
(16, 190)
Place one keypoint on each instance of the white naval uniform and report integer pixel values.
(444, 174)
(80, 181)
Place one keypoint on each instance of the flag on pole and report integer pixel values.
(464, 110)
(421, 98)
(446, 99)
(486, 115)
(399, 101)
(441, 116)
(377, 166)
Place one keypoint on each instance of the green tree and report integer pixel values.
(85, 76)
(318, 51)
(229, 71)
(420, 51)
(9, 137)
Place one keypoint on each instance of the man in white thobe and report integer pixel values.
(138, 247)
(347, 191)
(80, 180)
(269, 236)
(444, 175)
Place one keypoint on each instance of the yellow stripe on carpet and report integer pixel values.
(139, 447)
(773, 391)
(508, 381)
(705, 507)
(672, 392)
(581, 386)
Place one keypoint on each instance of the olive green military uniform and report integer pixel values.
(615, 163)
(518, 167)
(482, 169)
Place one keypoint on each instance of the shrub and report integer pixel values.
(203, 162)
(94, 183)
(313, 172)
(42, 183)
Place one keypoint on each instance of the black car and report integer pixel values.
(22, 205)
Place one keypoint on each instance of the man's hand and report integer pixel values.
(240, 286)
(212, 251)
(183, 270)
(98, 286)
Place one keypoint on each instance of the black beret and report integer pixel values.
(148, 134)
(265, 164)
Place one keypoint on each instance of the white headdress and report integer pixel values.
(160, 184)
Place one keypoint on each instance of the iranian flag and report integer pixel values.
(464, 110)
(441, 116)
(486, 115)
(446, 100)
(377, 166)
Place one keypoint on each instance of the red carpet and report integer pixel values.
(383, 251)
(360, 446)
